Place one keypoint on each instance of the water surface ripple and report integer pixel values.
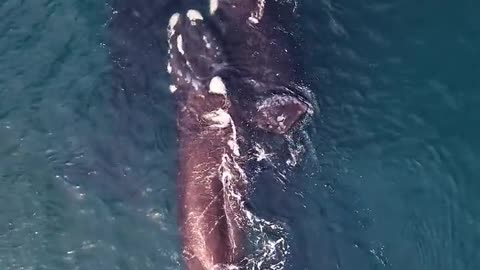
(87, 144)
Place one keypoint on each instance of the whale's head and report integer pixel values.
(195, 53)
(196, 61)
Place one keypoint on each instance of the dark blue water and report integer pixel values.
(87, 144)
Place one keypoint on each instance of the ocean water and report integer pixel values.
(87, 142)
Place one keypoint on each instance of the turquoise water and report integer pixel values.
(87, 145)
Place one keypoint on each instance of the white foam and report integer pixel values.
(172, 88)
(217, 86)
(261, 154)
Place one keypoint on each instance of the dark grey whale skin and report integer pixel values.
(263, 106)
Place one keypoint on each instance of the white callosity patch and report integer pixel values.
(171, 31)
(193, 15)
(217, 86)
(172, 22)
(172, 88)
(257, 14)
(213, 6)
(180, 44)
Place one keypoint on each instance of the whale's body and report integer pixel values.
(238, 100)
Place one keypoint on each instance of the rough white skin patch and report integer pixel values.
(193, 15)
(220, 118)
(257, 14)
(172, 88)
(180, 44)
(169, 67)
(172, 22)
(217, 86)
(213, 6)
(253, 20)
(196, 84)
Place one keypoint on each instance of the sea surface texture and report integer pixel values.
(88, 143)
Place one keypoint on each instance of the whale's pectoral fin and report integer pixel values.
(280, 113)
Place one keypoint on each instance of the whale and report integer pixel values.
(259, 45)
(239, 104)
(209, 149)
